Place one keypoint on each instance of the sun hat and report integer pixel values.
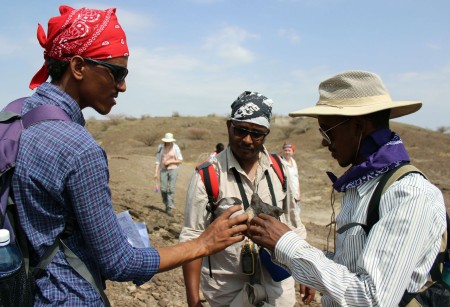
(354, 93)
(252, 107)
(168, 138)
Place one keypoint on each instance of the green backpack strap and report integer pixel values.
(74, 261)
(78, 265)
(385, 182)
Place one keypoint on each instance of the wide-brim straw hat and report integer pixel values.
(354, 93)
(168, 138)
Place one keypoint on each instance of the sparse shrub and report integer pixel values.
(303, 129)
(115, 119)
(105, 125)
(197, 133)
(175, 114)
(145, 116)
(443, 129)
(148, 138)
(287, 130)
(187, 125)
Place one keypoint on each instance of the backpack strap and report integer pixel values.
(211, 181)
(43, 112)
(272, 192)
(278, 168)
(373, 209)
(385, 182)
(241, 188)
(78, 265)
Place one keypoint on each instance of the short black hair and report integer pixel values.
(56, 68)
(219, 147)
(379, 119)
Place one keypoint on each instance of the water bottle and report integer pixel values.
(10, 257)
(14, 287)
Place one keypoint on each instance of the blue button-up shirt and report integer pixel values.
(62, 172)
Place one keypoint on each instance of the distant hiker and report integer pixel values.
(291, 165)
(62, 173)
(244, 168)
(219, 148)
(168, 158)
(384, 257)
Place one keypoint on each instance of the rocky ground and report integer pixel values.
(131, 146)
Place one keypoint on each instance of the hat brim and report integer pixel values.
(168, 140)
(398, 109)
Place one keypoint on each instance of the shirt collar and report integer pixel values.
(48, 93)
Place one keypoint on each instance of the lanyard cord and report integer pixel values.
(242, 191)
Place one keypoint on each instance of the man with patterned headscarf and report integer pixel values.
(61, 176)
(244, 169)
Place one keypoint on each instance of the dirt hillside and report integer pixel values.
(131, 147)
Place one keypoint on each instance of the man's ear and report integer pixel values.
(77, 67)
(364, 126)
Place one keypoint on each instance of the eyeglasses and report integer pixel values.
(325, 135)
(119, 72)
(242, 133)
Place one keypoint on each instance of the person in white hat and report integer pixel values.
(390, 263)
(168, 158)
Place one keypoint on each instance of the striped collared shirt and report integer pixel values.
(375, 270)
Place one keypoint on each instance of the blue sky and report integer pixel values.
(195, 57)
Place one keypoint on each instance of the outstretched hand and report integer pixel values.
(266, 230)
(224, 231)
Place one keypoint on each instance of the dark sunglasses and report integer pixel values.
(242, 133)
(119, 72)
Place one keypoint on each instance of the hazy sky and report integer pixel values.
(194, 57)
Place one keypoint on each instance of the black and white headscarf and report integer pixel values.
(252, 107)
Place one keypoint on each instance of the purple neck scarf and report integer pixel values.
(383, 151)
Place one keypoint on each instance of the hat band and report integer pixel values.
(360, 101)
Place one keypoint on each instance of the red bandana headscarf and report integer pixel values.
(86, 32)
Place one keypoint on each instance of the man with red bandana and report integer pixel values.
(62, 173)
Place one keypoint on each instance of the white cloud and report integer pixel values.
(132, 21)
(290, 34)
(228, 43)
(430, 87)
(434, 46)
(129, 19)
